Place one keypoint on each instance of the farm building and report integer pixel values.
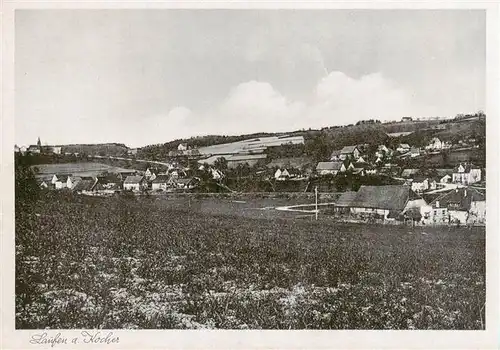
(85, 186)
(463, 206)
(108, 182)
(386, 202)
(434, 214)
(343, 203)
(134, 183)
(72, 181)
(162, 182)
(182, 147)
(326, 168)
(60, 181)
(281, 174)
(351, 152)
(420, 184)
(466, 174)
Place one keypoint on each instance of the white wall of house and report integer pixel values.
(461, 216)
(420, 186)
(159, 186)
(477, 213)
(328, 172)
(60, 185)
(362, 210)
(434, 216)
(132, 187)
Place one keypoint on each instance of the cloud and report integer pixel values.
(256, 106)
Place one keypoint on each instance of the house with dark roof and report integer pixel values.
(162, 182)
(359, 167)
(108, 182)
(386, 202)
(85, 185)
(465, 205)
(330, 168)
(349, 152)
(60, 181)
(134, 183)
(466, 174)
(343, 203)
(72, 181)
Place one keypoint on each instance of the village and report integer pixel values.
(386, 191)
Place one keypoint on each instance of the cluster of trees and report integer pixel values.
(26, 187)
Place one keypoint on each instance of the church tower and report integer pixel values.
(39, 144)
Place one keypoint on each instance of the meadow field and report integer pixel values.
(78, 169)
(159, 263)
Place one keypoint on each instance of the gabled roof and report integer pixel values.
(135, 179)
(361, 165)
(392, 197)
(84, 185)
(162, 178)
(62, 178)
(404, 145)
(460, 198)
(348, 149)
(110, 178)
(329, 166)
(468, 167)
(346, 199)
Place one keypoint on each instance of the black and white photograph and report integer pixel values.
(250, 169)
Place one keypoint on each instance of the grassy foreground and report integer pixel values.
(123, 263)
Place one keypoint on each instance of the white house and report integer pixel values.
(403, 148)
(434, 214)
(134, 183)
(326, 168)
(351, 152)
(466, 174)
(182, 147)
(281, 174)
(435, 144)
(72, 181)
(60, 181)
(161, 182)
(464, 206)
(421, 184)
(445, 179)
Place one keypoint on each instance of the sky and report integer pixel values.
(143, 77)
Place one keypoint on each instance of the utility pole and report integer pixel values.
(316, 192)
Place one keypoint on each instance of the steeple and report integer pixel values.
(38, 143)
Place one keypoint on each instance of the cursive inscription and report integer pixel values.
(86, 337)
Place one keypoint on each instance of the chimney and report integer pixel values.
(465, 193)
(437, 204)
